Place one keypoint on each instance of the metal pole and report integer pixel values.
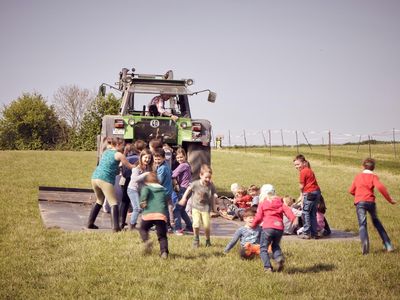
(309, 145)
(245, 142)
(359, 143)
(369, 146)
(229, 138)
(283, 143)
(269, 139)
(265, 142)
(297, 143)
(330, 146)
(394, 143)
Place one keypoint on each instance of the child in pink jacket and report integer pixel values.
(270, 212)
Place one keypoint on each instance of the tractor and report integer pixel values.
(137, 120)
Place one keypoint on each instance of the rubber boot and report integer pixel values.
(93, 215)
(123, 213)
(115, 218)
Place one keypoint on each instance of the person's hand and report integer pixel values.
(174, 118)
(182, 202)
(394, 201)
(143, 204)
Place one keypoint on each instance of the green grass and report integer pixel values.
(40, 263)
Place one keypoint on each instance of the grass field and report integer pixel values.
(39, 263)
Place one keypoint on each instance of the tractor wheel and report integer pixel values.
(198, 155)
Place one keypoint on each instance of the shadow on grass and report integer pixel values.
(194, 255)
(312, 269)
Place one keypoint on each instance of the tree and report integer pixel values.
(71, 103)
(29, 123)
(91, 123)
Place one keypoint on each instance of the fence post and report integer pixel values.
(394, 144)
(369, 146)
(283, 143)
(309, 145)
(229, 138)
(245, 141)
(359, 143)
(330, 145)
(269, 140)
(297, 143)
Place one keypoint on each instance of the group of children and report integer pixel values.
(161, 196)
(156, 192)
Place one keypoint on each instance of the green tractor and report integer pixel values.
(136, 121)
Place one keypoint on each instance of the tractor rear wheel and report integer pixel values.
(197, 155)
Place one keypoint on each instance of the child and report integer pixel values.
(103, 180)
(249, 237)
(153, 201)
(270, 213)
(164, 176)
(242, 201)
(203, 200)
(362, 189)
(289, 227)
(254, 191)
(138, 175)
(322, 224)
(311, 194)
(182, 176)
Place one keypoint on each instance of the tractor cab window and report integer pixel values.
(138, 104)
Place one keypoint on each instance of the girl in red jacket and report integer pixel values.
(270, 212)
(364, 199)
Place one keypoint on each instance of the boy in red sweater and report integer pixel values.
(364, 199)
(270, 212)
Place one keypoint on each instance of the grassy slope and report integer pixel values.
(40, 263)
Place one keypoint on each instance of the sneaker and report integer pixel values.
(164, 255)
(148, 247)
(208, 243)
(389, 247)
(196, 243)
(268, 270)
(305, 236)
(92, 226)
(179, 232)
(281, 265)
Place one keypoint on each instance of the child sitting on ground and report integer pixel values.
(254, 192)
(322, 224)
(249, 237)
(242, 201)
(289, 227)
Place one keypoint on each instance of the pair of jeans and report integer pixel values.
(270, 236)
(309, 212)
(362, 208)
(134, 197)
(161, 229)
(179, 211)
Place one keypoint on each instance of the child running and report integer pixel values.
(203, 200)
(153, 201)
(249, 237)
(364, 199)
(270, 212)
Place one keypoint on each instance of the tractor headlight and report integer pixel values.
(131, 122)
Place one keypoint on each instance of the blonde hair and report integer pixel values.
(289, 201)
(205, 169)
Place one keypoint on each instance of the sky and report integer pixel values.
(285, 66)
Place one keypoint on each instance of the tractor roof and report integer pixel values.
(159, 86)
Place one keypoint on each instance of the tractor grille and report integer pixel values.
(153, 128)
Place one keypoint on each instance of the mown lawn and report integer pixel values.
(39, 263)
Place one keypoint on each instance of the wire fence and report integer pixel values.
(285, 137)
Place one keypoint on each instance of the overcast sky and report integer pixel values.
(310, 66)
